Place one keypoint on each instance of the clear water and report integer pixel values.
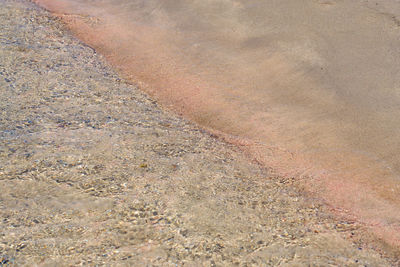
(310, 88)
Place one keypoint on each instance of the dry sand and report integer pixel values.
(94, 172)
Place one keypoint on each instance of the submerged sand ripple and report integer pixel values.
(94, 172)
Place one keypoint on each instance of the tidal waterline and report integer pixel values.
(310, 88)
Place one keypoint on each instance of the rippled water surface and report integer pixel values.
(310, 88)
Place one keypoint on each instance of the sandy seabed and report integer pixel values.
(94, 172)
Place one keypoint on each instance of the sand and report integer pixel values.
(309, 88)
(94, 172)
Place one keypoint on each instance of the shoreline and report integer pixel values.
(95, 172)
(278, 104)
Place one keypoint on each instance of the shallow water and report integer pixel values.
(309, 88)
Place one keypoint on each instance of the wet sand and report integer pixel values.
(308, 88)
(94, 172)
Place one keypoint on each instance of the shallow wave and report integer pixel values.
(308, 88)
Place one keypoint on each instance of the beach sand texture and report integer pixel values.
(309, 88)
(94, 172)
